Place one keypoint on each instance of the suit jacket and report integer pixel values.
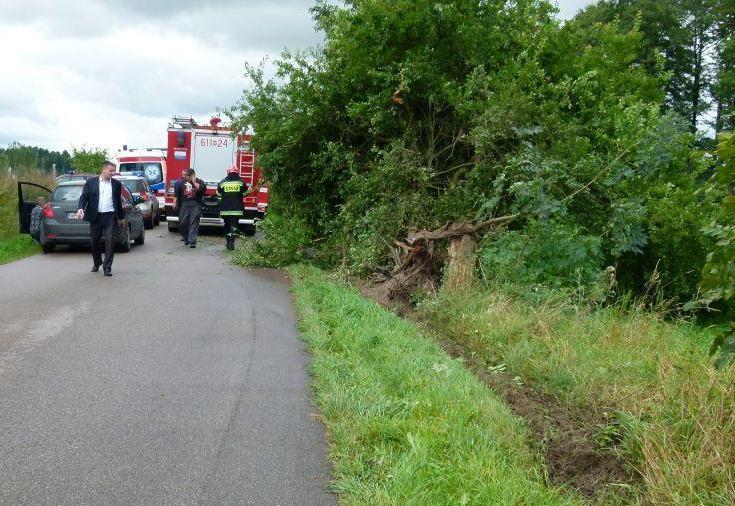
(90, 199)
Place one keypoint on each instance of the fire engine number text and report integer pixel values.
(214, 143)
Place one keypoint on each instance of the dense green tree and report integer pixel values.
(419, 112)
(679, 37)
(718, 274)
(724, 88)
(88, 160)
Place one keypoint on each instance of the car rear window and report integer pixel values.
(67, 193)
(134, 185)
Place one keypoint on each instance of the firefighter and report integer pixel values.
(188, 196)
(231, 191)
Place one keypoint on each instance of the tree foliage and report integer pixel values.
(415, 113)
(88, 160)
(17, 156)
(718, 274)
(689, 43)
(724, 88)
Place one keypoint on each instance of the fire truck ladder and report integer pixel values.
(247, 164)
(183, 122)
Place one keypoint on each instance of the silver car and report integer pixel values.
(59, 224)
(148, 205)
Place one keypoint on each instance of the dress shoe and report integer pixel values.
(95, 268)
(108, 272)
(186, 243)
(193, 245)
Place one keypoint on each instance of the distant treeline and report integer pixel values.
(17, 156)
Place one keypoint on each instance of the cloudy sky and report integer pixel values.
(102, 73)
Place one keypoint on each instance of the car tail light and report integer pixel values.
(47, 211)
(144, 196)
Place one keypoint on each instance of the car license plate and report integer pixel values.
(71, 216)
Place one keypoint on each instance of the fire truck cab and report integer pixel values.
(210, 150)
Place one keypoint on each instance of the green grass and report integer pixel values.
(406, 423)
(16, 248)
(672, 411)
(282, 243)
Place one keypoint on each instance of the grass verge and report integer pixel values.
(670, 413)
(16, 248)
(406, 423)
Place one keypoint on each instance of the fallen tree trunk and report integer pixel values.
(418, 264)
(460, 262)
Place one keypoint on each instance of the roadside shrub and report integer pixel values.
(382, 203)
(549, 253)
(283, 242)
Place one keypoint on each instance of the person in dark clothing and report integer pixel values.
(101, 205)
(231, 191)
(188, 196)
(36, 217)
(177, 203)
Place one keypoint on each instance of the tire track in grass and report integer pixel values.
(407, 423)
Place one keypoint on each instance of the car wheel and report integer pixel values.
(158, 219)
(248, 229)
(140, 240)
(48, 248)
(125, 245)
(173, 226)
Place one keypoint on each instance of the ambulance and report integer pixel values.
(149, 163)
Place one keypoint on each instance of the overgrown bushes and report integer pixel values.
(419, 112)
(283, 243)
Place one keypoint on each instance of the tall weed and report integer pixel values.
(671, 413)
(9, 197)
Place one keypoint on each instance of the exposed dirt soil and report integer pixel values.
(564, 436)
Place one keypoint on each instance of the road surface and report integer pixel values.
(179, 380)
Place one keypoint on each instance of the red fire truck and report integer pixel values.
(210, 150)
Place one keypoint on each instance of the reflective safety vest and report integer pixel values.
(231, 193)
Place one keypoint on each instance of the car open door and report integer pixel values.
(27, 194)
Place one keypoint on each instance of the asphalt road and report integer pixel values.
(179, 380)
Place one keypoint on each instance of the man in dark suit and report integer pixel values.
(101, 205)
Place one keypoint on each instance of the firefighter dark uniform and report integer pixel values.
(231, 191)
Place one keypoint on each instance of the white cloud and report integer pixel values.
(108, 73)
